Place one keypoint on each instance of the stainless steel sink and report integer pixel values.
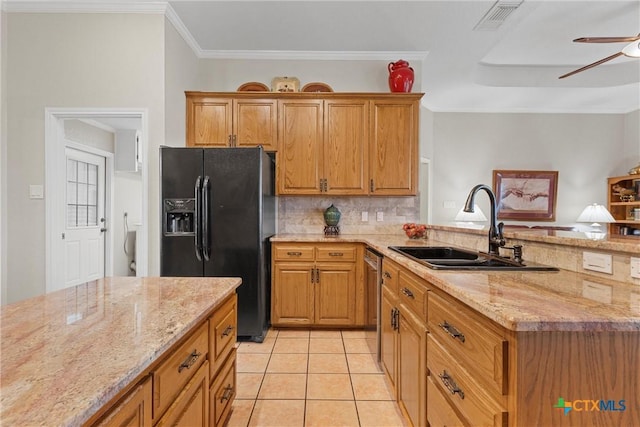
(450, 258)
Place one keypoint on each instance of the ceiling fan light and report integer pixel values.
(632, 49)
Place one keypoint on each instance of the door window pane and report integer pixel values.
(82, 194)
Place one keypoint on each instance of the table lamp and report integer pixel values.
(596, 214)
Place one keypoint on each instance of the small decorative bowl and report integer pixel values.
(415, 231)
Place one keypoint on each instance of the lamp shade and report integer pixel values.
(595, 214)
(476, 216)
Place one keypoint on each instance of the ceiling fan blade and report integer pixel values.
(606, 39)
(586, 67)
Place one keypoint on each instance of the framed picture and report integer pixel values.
(526, 195)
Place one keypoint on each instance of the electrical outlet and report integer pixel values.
(635, 267)
(365, 216)
(597, 262)
(379, 216)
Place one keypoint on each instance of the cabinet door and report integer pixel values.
(292, 294)
(346, 135)
(191, 408)
(134, 410)
(335, 294)
(209, 122)
(300, 133)
(412, 360)
(255, 123)
(388, 337)
(393, 150)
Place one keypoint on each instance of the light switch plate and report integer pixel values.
(365, 216)
(635, 267)
(36, 191)
(379, 216)
(597, 262)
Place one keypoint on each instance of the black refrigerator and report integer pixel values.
(218, 213)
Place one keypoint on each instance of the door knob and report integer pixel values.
(102, 230)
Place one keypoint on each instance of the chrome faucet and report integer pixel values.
(496, 238)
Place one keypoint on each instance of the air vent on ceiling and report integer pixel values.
(498, 13)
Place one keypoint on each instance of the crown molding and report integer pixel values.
(313, 55)
(79, 6)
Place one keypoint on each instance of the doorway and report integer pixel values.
(69, 132)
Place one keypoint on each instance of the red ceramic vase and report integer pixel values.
(400, 76)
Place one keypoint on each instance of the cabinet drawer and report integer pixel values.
(223, 326)
(293, 252)
(336, 253)
(439, 412)
(191, 407)
(390, 273)
(171, 376)
(413, 294)
(472, 340)
(223, 391)
(466, 396)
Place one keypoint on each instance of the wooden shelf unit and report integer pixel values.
(622, 210)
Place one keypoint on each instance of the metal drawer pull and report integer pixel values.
(294, 253)
(189, 361)
(408, 293)
(336, 254)
(387, 275)
(227, 331)
(228, 391)
(450, 384)
(452, 331)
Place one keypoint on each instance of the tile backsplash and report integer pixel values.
(305, 214)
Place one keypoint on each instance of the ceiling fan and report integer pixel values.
(631, 50)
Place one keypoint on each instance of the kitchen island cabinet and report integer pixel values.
(507, 348)
(112, 351)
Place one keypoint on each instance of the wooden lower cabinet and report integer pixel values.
(317, 285)
(389, 337)
(192, 384)
(134, 410)
(191, 407)
(403, 340)
(222, 392)
(412, 367)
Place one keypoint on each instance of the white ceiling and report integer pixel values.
(513, 68)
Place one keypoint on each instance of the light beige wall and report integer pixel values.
(584, 148)
(181, 74)
(631, 140)
(342, 76)
(74, 61)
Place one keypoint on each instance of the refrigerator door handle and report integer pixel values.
(206, 247)
(198, 237)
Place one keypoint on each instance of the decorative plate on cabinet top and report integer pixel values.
(316, 87)
(285, 84)
(253, 87)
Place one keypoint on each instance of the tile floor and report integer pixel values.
(311, 378)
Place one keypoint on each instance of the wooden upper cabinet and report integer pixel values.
(345, 141)
(209, 121)
(230, 122)
(327, 143)
(393, 148)
(255, 122)
(300, 136)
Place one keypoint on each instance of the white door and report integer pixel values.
(84, 228)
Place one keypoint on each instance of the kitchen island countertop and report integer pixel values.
(519, 301)
(68, 353)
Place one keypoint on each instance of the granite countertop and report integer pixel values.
(519, 301)
(68, 353)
